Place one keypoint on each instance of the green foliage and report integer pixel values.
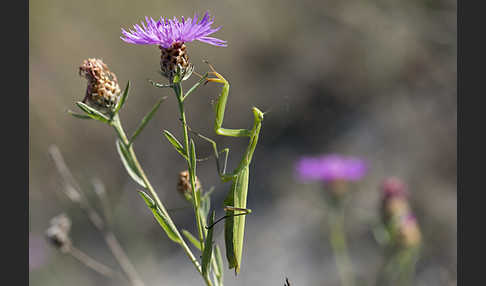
(161, 218)
(122, 100)
(93, 113)
(208, 247)
(128, 163)
(177, 145)
(146, 119)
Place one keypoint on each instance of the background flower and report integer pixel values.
(331, 168)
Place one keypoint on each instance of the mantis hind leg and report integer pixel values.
(221, 171)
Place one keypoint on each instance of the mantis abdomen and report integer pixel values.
(234, 227)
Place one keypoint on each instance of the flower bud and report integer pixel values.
(397, 214)
(184, 185)
(58, 232)
(409, 232)
(395, 200)
(103, 91)
(175, 57)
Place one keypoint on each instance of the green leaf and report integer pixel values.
(77, 115)
(123, 98)
(192, 239)
(208, 248)
(93, 113)
(177, 145)
(195, 86)
(160, 217)
(127, 162)
(205, 202)
(198, 200)
(192, 154)
(146, 119)
(219, 263)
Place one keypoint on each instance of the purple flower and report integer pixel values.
(166, 32)
(37, 251)
(331, 168)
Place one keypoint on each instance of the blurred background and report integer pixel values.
(374, 79)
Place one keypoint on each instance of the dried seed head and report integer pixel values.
(58, 232)
(103, 90)
(173, 57)
(184, 185)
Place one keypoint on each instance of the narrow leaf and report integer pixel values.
(192, 155)
(192, 239)
(123, 98)
(205, 203)
(177, 145)
(160, 217)
(146, 119)
(219, 263)
(77, 115)
(208, 248)
(93, 113)
(127, 162)
(195, 86)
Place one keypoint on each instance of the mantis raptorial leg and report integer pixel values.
(236, 198)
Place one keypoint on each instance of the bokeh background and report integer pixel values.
(374, 79)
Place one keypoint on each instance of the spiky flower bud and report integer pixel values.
(58, 232)
(184, 185)
(103, 91)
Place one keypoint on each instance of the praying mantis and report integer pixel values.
(235, 201)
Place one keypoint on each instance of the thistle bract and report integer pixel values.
(170, 35)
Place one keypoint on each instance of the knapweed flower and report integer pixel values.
(171, 35)
(103, 90)
(329, 168)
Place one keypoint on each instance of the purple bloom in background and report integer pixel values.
(166, 32)
(37, 251)
(331, 168)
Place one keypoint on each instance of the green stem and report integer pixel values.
(192, 169)
(339, 246)
(116, 123)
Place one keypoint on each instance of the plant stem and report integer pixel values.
(90, 262)
(116, 123)
(339, 246)
(73, 191)
(192, 169)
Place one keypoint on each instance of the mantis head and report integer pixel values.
(258, 114)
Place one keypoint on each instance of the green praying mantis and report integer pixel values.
(235, 201)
